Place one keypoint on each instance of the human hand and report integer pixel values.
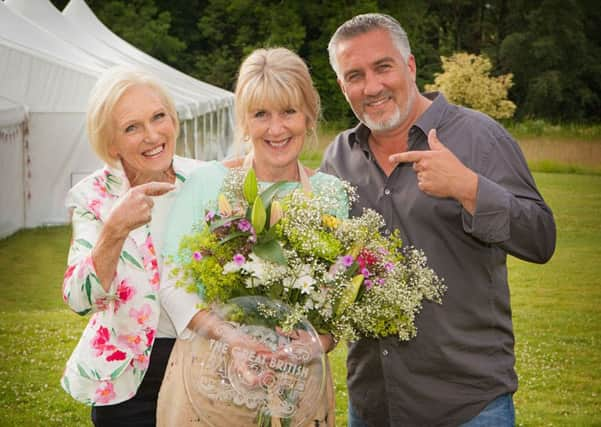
(440, 173)
(134, 209)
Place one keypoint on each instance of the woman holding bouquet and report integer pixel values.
(277, 108)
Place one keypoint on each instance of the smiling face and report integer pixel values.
(277, 136)
(143, 136)
(376, 81)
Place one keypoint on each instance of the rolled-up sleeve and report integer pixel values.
(510, 211)
(82, 290)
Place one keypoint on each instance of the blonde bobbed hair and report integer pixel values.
(274, 78)
(105, 95)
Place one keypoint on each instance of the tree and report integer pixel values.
(466, 81)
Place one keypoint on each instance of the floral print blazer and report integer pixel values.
(111, 358)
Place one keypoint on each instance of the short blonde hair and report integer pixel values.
(275, 77)
(105, 95)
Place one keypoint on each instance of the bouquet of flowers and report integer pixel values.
(339, 273)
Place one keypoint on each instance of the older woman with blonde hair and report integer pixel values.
(113, 271)
(277, 108)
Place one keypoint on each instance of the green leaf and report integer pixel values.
(269, 193)
(125, 256)
(82, 372)
(258, 215)
(118, 371)
(233, 236)
(350, 294)
(88, 288)
(250, 187)
(151, 296)
(223, 221)
(84, 312)
(271, 251)
(84, 242)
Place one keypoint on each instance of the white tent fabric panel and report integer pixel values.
(13, 130)
(59, 156)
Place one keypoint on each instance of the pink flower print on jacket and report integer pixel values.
(151, 263)
(142, 315)
(101, 341)
(116, 355)
(105, 393)
(94, 206)
(99, 186)
(134, 342)
(140, 361)
(125, 292)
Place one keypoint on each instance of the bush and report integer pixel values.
(466, 81)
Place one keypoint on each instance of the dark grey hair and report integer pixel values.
(365, 23)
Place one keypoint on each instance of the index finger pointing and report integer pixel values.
(407, 157)
(156, 188)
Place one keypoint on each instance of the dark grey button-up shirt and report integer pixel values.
(462, 357)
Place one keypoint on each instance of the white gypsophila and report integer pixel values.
(261, 271)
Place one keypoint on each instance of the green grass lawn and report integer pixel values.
(556, 310)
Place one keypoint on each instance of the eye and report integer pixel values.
(353, 77)
(383, 67)
(130, 128)
(259, 114)
(159, 116)
(290, 111)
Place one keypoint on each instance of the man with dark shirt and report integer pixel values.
(467, 201)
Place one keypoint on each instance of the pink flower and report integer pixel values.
(125, 292)
(197, 256)
(149, 245)
(140, 361)
(100, 187)
(347, 260)
(69, 271)
(132, 341)
(141, 315)
(116, 355)
(239, 259)
(150, 337)
(94, 207)
(100, 342)
(105, 393)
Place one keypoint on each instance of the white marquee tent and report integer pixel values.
(49, 62)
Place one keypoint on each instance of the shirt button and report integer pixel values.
(384, 352)
(387, 232)
(387, 191)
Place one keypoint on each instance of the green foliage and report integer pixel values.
(466, 81)
(552, 47)
(142, 24)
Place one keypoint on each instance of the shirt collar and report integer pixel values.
(430, 119)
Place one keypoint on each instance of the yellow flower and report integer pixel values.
(276, 213)
(330, 221)
(225, 209)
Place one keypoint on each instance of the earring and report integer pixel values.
(246, 138)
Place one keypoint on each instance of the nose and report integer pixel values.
(151, 134)
(373, 85)
(276, 125)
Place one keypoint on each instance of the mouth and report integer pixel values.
(155, 152)
(375, 103)
(278, 143)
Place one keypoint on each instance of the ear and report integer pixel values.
(412, 66)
